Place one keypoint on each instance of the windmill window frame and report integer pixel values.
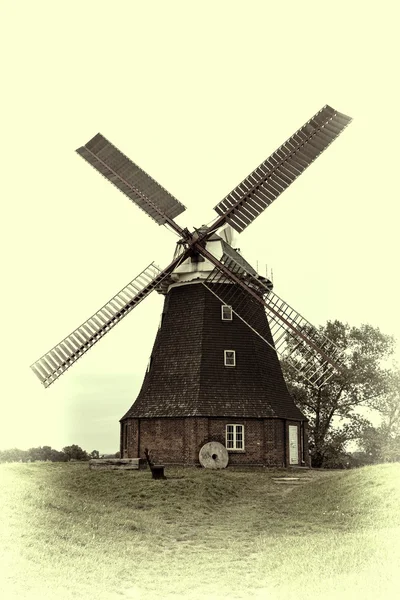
(230, 359)
(234, 437)
(226, 312)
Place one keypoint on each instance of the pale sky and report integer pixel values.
(198, 94)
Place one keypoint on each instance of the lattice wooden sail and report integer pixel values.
(55, 362)
(296, 340)
(259, 189)
(135, 183)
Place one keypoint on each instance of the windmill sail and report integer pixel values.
(53, 364)
(296, 340)
(142, 189)
(259, 189)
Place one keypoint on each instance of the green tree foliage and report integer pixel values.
(33, 454)
(13, 455)
(46, 453)
(382, 444)
(75, 452)
(332, 410)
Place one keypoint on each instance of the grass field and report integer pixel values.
(70, 533)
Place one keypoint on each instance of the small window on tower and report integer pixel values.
(234, 437)
(226, 312)
(229, 358)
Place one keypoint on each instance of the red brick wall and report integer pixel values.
(164, 438)
(178, 440)
(253, 440)
(132, 450)
(274, 435)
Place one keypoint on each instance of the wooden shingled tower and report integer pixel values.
(214, 374)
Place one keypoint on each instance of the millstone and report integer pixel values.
(213, 455)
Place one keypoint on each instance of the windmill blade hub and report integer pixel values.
(196, 268)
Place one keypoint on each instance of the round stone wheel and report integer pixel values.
(213, 455)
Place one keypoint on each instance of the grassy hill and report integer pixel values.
(68, 532)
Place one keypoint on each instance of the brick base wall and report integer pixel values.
(178, 440)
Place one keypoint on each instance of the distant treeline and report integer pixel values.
(48, 453)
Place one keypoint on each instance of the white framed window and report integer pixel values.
(229, 358)
(226, 312)
(234, 437)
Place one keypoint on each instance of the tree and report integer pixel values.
(40, 453)
(382, 444)
(46, 453)
(75, 452)
(13, 455)
(56, 456)
(94, 454)
(364, 382)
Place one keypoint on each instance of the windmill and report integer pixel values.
(214, 372)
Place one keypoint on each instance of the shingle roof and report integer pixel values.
(187, 376)
(237, 257)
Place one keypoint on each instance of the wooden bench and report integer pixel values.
(157, 471)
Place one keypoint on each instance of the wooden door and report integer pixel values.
(293, 445)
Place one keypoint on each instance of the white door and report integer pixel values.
(293, 445)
